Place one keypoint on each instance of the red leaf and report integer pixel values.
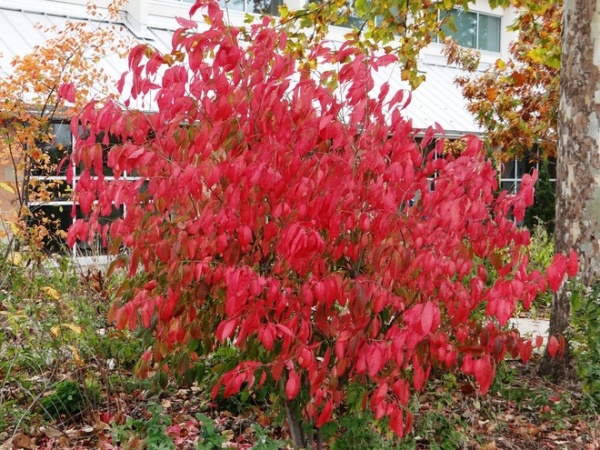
(277, 371)
(244, 236)
(225, 329)
(525, 351)
(325, 415)
(401, 390)
(375, 361)
(386, 60)
(409, 422)
(106, 417)
(186, 23)
(539, 340)
(86, 198)
(285, 330)
(147, 356)
(553, 346)
(147, 313)
(555, 272)
(396, 423)
(192, 246)
(213, 11)
(505, 309)
(427, 317)
(325, 120)
(67, 91)
(484, 373)
(196, 6)
(292, 386)
(234, 385)
(267, 336)
(418, 377)
(379, 395)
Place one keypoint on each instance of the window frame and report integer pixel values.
(478, 14)
(63, 204)
(247, 6)
(520, 166)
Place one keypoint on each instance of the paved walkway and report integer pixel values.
(531, 327)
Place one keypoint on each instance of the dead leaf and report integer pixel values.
(7, 187)
(88, 429)
(228, 434)
(76, 356)
(56, 329)
(51, 292)
(23, 441)
(51, 432)
(488, 446)
(15, 259)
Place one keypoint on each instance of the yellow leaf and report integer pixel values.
(500, 64)
(51, 292)
(284, 12)
(74, 328)
(7, 187)
(15, 259)
(76, 356)
(55, 330)
(14, 229)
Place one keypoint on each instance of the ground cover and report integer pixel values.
(67, 381)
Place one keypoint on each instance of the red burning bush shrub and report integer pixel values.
(308, 228)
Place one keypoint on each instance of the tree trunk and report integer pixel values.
(578, 165)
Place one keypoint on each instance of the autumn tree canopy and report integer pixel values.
(516, 101)
(46, 86)
(401, 28)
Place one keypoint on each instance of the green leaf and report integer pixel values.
(284, 11)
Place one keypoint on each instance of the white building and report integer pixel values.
(437, 100)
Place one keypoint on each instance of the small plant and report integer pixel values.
(586, 325)
(70, 398)
(264, 441)
(152, 431)
(155, 429)
(210, 438)
(541, 252)
(542, 212)
(440, 431)
(357, 431)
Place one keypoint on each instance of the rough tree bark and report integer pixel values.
(578, 165)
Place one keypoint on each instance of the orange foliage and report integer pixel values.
(516, 101)
(32, 100)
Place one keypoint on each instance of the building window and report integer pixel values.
(511, 172)
(51, 202)
(473, 29)
(252, 6)
(353, 20)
